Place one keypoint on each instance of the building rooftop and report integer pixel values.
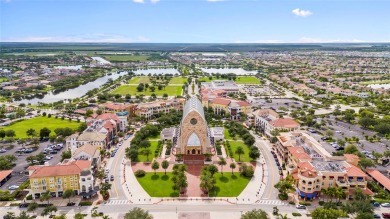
(193, 104)
(379, 177)
(4, 174)
(329, 166)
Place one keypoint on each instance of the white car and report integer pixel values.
(48, 157)
(386, 205)
(13, 187)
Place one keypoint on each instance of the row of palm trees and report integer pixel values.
(334, 192)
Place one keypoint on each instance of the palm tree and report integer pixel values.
(45, 197)
(155, 166)
(332, 192)
(146, 152)
(239, 151)
(232, 166)
(339, 193)
(165, 165)
(222, 162)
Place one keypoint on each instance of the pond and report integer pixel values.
(157, 71)
(236, 71)
(74, 92)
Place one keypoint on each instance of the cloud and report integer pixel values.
(301, 13)
(259, 41)
(90, 38)
(215, 0)
(318, 40)
(154, 1)
(139, 1)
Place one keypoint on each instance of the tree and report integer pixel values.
(62, 216)
(366, 122)
(32, 207)
(2, 133)
(365, 162)
(40, 157)
(254, 153)
(146, 152)
(69, 193)
(321, 213)
(138, 213)
(207, 181)
(383, 128)
(31, 132)
(239, 151)
(364, 215)
(10, 133)
(44, 132)
(82, 127)
(48, 210)
(212, 169)
(222, 162)
(45, 197)
(30, 159)
(165, 165)
(79, 216)
(155, 166)
(66, 155)
(329, 133)
(132, 153)
(232, 166)
(255, 214)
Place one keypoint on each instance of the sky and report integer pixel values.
(195, 21)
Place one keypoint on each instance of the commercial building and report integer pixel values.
(74, 175)
(228, 86)
(152, 109)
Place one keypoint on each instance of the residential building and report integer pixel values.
(152, 109)
(74, 175)
(267, 120)
(223, 106)
(88, 152)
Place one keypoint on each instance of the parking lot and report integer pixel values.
(18, 174)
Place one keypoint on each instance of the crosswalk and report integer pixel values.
(117, 202)
(270, 202)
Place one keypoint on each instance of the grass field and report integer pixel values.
(132, 90)
(244, 157)
(247, 80)
(153, 147)
(138, 80)
(145, 79)
(125, 58)
(239, 80)
(178, 80)
(3, 79)
(38, 123)
(158, 185)
(228, 185)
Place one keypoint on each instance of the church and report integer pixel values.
(193, 136)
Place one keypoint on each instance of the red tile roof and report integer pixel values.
(221, 101)
(284, 123)
(72, 168)
(243, 103)
(107, 116)
(4, 174)
(355, 171)
(298, 153)
(379, 177)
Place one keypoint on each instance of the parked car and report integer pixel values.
(106, 180)
(377, 216)
(112, 178)
(324, 138)
(385, 205)
(301, 207)
(13, 187)
(48, 157)
(3, 150)
(386, 215)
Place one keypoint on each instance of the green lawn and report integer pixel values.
(132, 90)
(178, 80)
(145, 79)
(38, 123)
(227, 134)
(138, 80)
(229, 185)
(152, 148)
(3, 80)
(125, 58)
(244, 157)
(206, 79)
(247, 80)
(158, 185)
